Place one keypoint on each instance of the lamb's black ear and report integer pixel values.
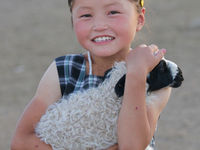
(166, 73)
(159, 77)
(119, 87)
(178, 79)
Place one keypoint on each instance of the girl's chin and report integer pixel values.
(104, 52)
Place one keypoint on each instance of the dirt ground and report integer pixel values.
(33, 33)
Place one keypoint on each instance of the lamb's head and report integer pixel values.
(166, 73)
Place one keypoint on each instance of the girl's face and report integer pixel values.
(106, 27)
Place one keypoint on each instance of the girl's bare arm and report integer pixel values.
(137, 121)
(47, 93)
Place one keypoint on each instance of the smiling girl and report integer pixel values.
(105, 29)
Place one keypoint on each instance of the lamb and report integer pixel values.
(88, 119)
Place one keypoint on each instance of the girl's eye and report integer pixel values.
(85, 16)
(113, 12)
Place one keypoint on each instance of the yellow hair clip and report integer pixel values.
(142, 3)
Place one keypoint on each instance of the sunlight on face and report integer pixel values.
(107, 27)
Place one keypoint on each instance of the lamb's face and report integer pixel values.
(166, 73)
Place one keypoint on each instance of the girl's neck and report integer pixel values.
(102, 64)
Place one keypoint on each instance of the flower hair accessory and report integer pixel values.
(142, 3)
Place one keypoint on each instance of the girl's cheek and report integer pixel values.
(117, 23)
(82, 31)
(125, 28)
(81, 28)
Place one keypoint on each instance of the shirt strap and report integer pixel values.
(90, 63)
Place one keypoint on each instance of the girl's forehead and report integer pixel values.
(97, 3)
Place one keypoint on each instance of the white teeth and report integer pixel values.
(103, 39)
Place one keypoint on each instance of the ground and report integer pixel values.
(33, 33)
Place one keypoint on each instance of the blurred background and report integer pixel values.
(34, 32)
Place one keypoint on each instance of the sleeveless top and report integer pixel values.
(72, 74)
(72, 77)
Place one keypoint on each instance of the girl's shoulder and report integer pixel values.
(69, 63)
(70, 69)
(78, 58)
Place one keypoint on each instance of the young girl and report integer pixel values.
(105, 29)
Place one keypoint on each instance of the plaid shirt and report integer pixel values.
(72, 74)
(72, 77)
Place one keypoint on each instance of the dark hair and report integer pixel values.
(70, 4)
(139, 4)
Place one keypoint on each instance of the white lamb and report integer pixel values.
(87, 120)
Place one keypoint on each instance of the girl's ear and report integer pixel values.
(141, 19)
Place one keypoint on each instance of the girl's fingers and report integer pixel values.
(156, 51)
(154, 48)
(160, 54)
(143, 45)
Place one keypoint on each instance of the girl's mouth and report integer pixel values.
(102, 39)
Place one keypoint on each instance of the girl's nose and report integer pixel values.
(100, 27)
(100, 23)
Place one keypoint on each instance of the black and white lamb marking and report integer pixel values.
(88, 119)
(166, 73)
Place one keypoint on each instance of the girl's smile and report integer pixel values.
(103, 39)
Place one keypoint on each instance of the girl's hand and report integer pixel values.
(143, 59)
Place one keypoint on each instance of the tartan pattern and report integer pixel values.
(72, 74)
(72, 77)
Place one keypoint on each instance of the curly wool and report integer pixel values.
(86, 120)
